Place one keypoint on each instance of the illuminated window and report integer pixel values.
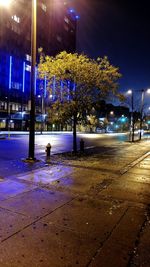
(16, 19)
(13, 107)
(59, 39)
(44, 7)
(2, 105)
(28, 68)
(66, 20)
(17, 107)
(28, 57)
(16, 85)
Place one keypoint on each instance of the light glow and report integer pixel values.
(23, 78)
(5, 3)
(129, 92)
(10, 71)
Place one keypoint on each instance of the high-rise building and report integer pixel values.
(56, 31)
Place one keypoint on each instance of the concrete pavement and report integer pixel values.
(91, 211)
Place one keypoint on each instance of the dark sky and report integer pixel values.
(121, 30)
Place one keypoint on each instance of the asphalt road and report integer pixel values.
(15, 148)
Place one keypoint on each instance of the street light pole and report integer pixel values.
(141, 114)
(131, 136)
(32, 83)
(132, 117)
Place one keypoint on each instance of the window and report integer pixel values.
(59, 39)
(66, 20)
(17, 107)
(28, 57)
(28, 68)
(44, 7)
(2, 105)
(16, 19)
(16, 85)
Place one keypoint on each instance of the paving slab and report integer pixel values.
(11, 222)
(118, 248)
(127, 191)
(138, 170)
(36, 203)
(141, 257)
(139, 178)
(88, 217)
(147, 159)
(10, 188)
(42, 245)
(47, 175)
(144, 165)
(81, 182)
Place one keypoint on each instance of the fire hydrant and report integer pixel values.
(81, 145)
(48, 150)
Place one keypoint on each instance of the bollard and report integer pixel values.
(81, 145)
(48, 150)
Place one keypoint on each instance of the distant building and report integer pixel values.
(56, 31)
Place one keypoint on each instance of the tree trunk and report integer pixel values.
(75, 133)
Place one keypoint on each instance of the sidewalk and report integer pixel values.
(91, 211)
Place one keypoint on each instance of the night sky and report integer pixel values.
(121, 30)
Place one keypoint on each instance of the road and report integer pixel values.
(17, 144)
(15, 148)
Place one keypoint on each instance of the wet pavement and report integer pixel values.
(86, 211)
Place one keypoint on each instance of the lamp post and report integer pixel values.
(141, 111)
(132, 116)
(32, 83)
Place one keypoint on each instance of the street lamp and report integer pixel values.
(32, 84)
(130, 92)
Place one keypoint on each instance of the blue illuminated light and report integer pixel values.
(23, 80)
(74, 87)
(35, 80)
(71, 10)
(77, 17)
(54, 87)
(45, 83)
(68, 89)
(10, 71)
(61, 88)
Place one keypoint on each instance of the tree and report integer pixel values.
(84, 81)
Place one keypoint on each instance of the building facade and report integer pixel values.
(56, 32)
